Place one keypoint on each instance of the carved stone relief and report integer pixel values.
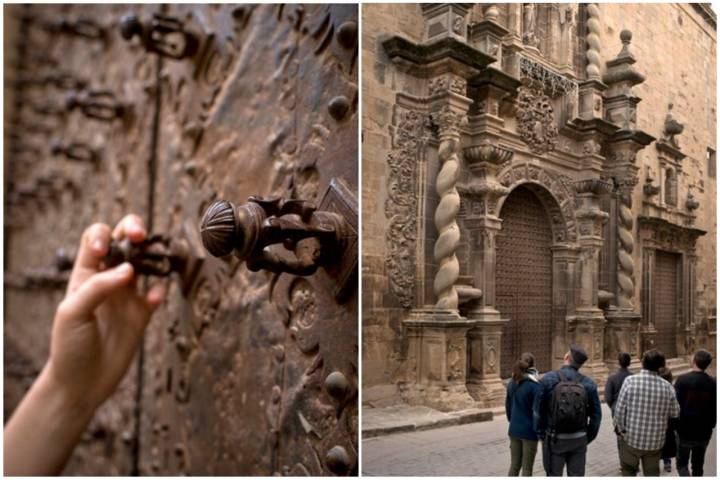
(561, 203)
(409, 137)
(536, 120)
(539, 75)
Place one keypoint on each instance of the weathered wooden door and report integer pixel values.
(67, 165)
(524, 280)
(241, 372)
(666, 301)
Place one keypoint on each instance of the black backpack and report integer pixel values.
(568, 405)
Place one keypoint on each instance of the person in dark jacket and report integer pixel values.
(669, 449)
(614, 384)
(560, 449)
(521, 392)
(615, 381)
(697, 395)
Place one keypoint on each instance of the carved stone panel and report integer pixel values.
(536, 120)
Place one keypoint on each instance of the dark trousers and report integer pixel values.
(559, 453)
(630, 459)
(688, 449)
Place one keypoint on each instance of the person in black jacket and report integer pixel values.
(697, 395)
(669, 449)
(615, 381)
(614, 384)
(521, 392)
(563, 450)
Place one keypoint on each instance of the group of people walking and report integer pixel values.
(653, 419)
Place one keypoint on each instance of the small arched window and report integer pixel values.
(670, 187)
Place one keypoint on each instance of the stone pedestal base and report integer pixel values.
(622, 334)
(647, 337)
(586, 329)
(484, 340)
(447, 398)
(436, 362)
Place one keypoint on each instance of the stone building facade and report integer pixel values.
(533, 175)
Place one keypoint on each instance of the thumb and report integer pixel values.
(81, 304)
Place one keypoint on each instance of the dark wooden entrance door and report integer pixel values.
(666, 301)
(524, 280)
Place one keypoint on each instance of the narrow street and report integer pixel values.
(482, 449)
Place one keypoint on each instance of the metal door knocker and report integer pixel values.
(324, 236)
(163, 35)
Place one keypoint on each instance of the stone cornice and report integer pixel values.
(580, 128)
(636, 136)
(493, 76)
(649, 221)
(400, 48)
(669, 150)
(706, 11)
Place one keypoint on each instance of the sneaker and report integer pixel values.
(668, 466)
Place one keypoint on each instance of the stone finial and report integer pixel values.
(593, 41)
(620, 69)
(491, 13)
(672, 128)
(625, 37)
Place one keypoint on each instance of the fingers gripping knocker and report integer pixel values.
(157, 255)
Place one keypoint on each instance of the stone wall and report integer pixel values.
(381, 311)
(675, 49)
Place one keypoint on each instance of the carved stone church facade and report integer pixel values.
(534, 175)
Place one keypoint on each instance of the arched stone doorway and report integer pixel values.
(524, 279)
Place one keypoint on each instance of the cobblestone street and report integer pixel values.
(482, 449)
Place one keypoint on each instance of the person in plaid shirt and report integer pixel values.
(645, 404)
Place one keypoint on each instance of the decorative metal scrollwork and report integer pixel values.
(550, 81)
(82, 27)
(163, 35)
(97, 104)
(74, 151)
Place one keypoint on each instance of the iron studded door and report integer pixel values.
(524, 280)
(666, 301)
(253, 372)
(75, 166)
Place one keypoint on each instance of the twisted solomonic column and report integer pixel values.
(626, 244)
(593, 42)
(447, 210)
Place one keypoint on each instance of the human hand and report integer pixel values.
(99, 323)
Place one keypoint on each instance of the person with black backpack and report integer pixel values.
(567, 415)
